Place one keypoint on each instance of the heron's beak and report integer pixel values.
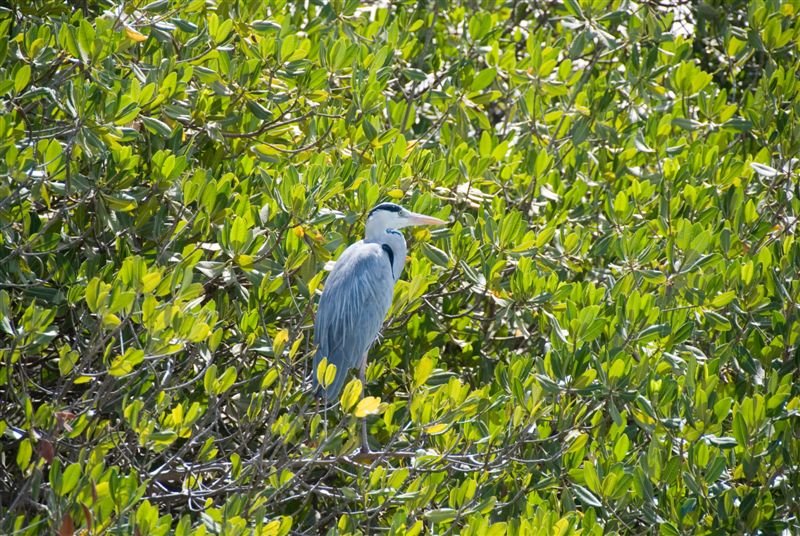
(421, 219)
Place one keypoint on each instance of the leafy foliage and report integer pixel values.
(605, 338)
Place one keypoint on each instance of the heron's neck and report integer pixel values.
(376, 233)
(377, 225)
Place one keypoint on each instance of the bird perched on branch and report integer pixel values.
(358, 294)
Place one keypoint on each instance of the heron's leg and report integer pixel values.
(362, 375)
(324, 416)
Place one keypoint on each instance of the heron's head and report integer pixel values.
(391, 216)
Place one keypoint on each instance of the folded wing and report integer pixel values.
(353, 306)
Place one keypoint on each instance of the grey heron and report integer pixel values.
(357, 295)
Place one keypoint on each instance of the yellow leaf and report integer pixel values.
(561, 527)
(368, 406)
(245, 261)
(396, 193)
(579, 443)
(415, 529)
(617, 369)
(271, 529)
(423, 371)
(269, 379)
(177, 414)
(265, 149)
(295, 347)
(351, 393)
(280, 340)
(298, 231)
(125, 363)
(102, 490)
(111, 320)
(150, 281)
(199, 332)
(330, 374)
(133, 35)
(320, 372)
(435, 429)
(747, 270)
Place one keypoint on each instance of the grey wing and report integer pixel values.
(353, 306)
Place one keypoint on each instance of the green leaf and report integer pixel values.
(226, 381)
(723, 299)
(574, 8)
(717, 321)
(586, 497)
(415, 75)
(654, 332)
(22, 77)
(686, 124)
(24, 453)
(157, 6)
(621, 203)
(579, 443)
(300, 51)
(69, 479)
(265, 26)
(715, 469)
(740, 432)
(210, 380)
(5, 313)
(621, 447)
(156, 126)
(94, 291)
(668, 529)
(125, 363)
(259, 110)
(239, 234)
(440, 515)
(369, 130)
(764, 170)
(590, 325)
(483, 79)
(436, 255)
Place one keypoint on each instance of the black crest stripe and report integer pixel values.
(390, 253)
(389, 207)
